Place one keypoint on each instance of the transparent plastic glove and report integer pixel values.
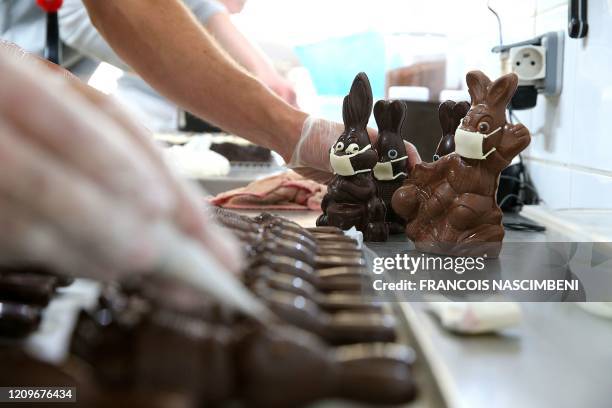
(84, 190)
(311, 155)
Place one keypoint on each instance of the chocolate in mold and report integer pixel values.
(326, 230)
(339, 245)
(184, 354)
(306, 370)
(331, 302)
(302, 371)
(36, 269)
(450, 205)
(268, 220)
(131, 344)
(392, 166)
(342, 278)
(323, 238)
(330, 261)
(18, 319)
(342, 301)
(352, 197)
(27, 288)
(204, 364)
(450, 113)
(377, 373)
(344, 327)
(339, 252)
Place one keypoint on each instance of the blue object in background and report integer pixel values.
(334, 63)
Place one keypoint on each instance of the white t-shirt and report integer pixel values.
(83, 48)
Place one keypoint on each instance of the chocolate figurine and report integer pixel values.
(352, 198)
(450, 204)
(451, 113)
(391, 169)
(133, 343)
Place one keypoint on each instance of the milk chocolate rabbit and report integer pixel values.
(450, 204)
(352, 198)
(391, 169)
(450, 113)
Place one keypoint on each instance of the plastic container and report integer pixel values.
(333, 63)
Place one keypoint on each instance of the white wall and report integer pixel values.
(570, 157)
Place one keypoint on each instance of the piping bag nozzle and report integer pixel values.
(186, 260)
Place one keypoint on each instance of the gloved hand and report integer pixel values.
(311, 154)
(81, 184)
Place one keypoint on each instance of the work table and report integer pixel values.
(558, 356)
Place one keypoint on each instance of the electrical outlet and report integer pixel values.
(537, 62)
(528, 62)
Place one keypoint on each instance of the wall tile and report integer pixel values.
(552, 119)
(552, 182)
(545, 5)
(589, 190)
(592, 143)
(554, 19)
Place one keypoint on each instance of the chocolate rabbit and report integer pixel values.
(450, 204)
(391, 169)
(450, 113)
(352, 198)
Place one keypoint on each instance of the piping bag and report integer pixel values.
(184, 259)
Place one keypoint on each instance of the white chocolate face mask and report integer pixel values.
(342, 164)
(470, 144)
(384, 171)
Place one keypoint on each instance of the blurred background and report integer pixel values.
(429, 46)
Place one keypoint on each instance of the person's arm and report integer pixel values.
(172, 52)
(248, 55)
(77, 31)
(84, 191)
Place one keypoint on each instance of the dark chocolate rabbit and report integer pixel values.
(352, 198)
(450, 204)
(391, 169)
(451, 113)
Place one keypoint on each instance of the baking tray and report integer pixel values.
(432, 392)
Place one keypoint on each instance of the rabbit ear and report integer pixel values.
(445, 114)
(357, 104)
(502, 90)
(381, 114)
(398, 116)
(389, 115)
(461, 109)
(477, 83)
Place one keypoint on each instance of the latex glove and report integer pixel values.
(311, 154)
(84, 190)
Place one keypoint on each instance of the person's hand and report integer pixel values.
(311, 154)
(81, 184)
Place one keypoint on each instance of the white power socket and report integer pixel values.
(538, 62)
(528, 62)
